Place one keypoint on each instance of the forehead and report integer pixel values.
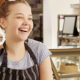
(20, 8)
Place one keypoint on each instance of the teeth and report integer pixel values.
(23, 30)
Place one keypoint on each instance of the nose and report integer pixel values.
(25, 22)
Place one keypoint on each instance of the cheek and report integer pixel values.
(31, 24)
(17, 24)
(11, 27)
(31, 27)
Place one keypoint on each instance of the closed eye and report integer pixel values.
(30, 18)
(19, 17)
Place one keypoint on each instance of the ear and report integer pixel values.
(2, 23)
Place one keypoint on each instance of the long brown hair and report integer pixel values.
(4, 6)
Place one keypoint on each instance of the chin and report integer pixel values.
(22, 38)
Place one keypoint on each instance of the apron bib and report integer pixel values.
(31, 73)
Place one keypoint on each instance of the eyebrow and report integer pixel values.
(22, 14)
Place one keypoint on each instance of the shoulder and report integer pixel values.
(33, 43)
(40, 50)
(36, 44)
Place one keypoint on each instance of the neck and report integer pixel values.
(15, 48)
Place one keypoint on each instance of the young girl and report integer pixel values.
(21, 58)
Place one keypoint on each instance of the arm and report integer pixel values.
(45, 70)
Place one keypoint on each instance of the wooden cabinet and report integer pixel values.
(71, 58)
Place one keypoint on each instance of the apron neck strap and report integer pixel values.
(4, 61)
(31, 53)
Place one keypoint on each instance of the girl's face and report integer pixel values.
(18, 23)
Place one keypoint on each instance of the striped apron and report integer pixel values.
(31, 73)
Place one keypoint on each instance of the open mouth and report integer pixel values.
(23, 30)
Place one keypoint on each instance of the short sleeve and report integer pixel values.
(43, 53)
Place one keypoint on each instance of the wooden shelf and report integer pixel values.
(65, 52)
(69, 75)
(69, 37)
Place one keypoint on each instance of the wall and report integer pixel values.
(51, 8)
